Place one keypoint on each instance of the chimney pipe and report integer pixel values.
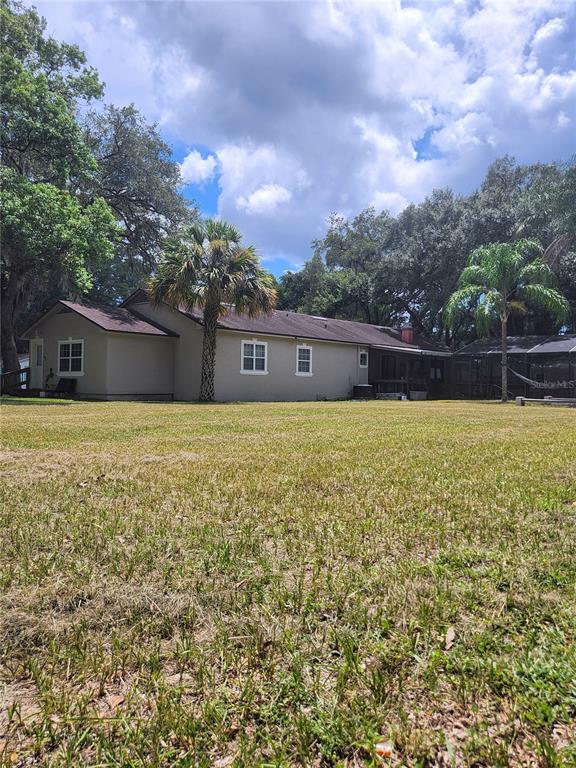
(407, 334)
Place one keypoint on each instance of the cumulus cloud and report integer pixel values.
(265, 199)
(308, 108)
(196, 169)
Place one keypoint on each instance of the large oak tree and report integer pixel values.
(87, 203)
(47, 230)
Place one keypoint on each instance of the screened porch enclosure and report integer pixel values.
(550, 361)
(404, 373)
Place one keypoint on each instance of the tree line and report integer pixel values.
(386, 269)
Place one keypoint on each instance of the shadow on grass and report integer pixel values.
(7, 400)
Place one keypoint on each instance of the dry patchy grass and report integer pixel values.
(288, 584)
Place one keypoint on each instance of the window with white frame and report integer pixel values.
(303, 360)
(39, 353)
(254, 357)
(363, 358)
(71, 358)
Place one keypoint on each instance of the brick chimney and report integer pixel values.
(407, 334)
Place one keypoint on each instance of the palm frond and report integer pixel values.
(218, 230)
(255, 294)
(487, 311)
(479, 255)
(537, 271)
(500, 278)
(546, 298)
(502, 263)
(196, 233)
(207, 266)
(461, 300)
(178, 269)
(519, 307)
(473, 274)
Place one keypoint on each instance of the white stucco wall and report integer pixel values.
(70, 326)
(335, 370)
(187, 348)
(335, 366)
(139, 365)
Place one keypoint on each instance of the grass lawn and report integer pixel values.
(288, 585)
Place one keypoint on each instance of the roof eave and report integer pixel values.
(130, 298)
(413, 351)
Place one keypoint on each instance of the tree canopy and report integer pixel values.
(86, 203)
(41, 83)
(137, 177)
(47, 231)
(384, 269)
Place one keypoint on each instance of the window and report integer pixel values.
(254, 357)
(437, 370)
(71, 358)
(303, 360)
(363, 358)
(39, 353)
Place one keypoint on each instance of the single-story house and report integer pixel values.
(142, 351)
(538, 366)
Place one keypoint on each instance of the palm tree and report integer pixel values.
(501, 279)
(206, 266)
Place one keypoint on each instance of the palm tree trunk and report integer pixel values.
(504, 359)
(208, 354)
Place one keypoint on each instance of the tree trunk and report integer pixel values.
(9, 349)
(208, 354)
(504, 359)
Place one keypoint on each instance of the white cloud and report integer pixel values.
(473, 130)
(264, 200)
(196, 169)
(389, 201)
(308, 108)
(548, 31)
(259, 181)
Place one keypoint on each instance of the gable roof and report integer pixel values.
(518, 345)
(297, 325)
(111, 319)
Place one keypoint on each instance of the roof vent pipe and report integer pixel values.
(407, 334)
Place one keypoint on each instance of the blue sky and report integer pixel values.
(206, 193)
(283, 112)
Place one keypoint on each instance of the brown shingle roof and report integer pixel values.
(294, 324)
(117, 319)
(112, 319)
(284, 323)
